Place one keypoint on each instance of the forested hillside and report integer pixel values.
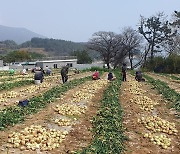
(54, 46)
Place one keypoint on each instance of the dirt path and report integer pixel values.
(173, 84)
(135, 129)
(79, 135)
(14, 96)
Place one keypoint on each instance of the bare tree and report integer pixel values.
(107, 44)
(119, 55)
(173, 45)
(155, 30)
(131, 40)
(176, 20)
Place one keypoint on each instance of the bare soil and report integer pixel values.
(136, 143)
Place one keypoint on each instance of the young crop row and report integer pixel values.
(8, 86)
(2, 73)
(173, 77)
(18, 82)
(7, 79)
(168, 93)
(13, 77)
(15, 80)
(107, 124)
(16, 114)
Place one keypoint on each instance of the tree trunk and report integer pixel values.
(130, 59)
(146, 53)
(152, 55)
(131, 62)
(108, 65)
(152, 50)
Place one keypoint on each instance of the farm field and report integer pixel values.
(172, 83)
(85, 116)
(12, 97)
(148, 121)
(63, 114)
(99, 77)
(11, 79)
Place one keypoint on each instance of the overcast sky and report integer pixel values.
(77, 20)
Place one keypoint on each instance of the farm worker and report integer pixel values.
(33, 70)
(95, 75)
(76, 71)
(48, 71)
(39, 75)
(139, 77)
(24, 72)
(11, 71)
(64, 73)
(111, 77)
(124, 72)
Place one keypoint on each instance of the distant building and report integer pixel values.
(51, 62)
(28, 65)
(22, 65)
(56, 63)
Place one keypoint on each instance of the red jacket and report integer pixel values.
(96, 74)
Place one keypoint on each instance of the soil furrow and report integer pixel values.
(136, 143)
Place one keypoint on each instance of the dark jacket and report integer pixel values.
(38, 75)
(110, 76)
(64, 70)
(138, 75)
(123, 68)
(48, 71)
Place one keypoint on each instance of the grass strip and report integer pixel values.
(15, 114)
(107, 124)
(8, 86)
(168, 93)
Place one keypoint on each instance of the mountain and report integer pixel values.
(19, 35)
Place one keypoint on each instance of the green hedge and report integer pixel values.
(160, 64)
